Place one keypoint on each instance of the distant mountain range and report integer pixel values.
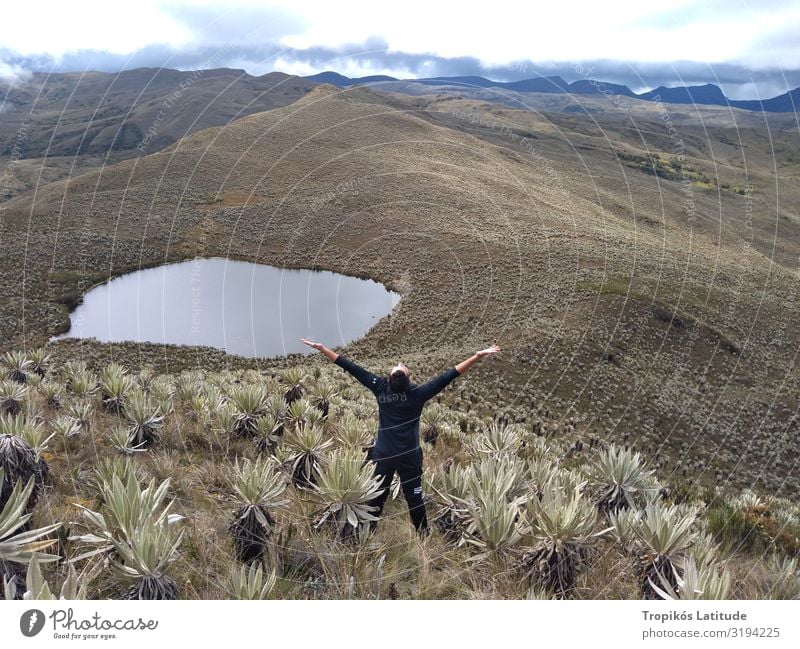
(708, 94)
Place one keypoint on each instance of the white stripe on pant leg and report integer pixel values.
(417, 490)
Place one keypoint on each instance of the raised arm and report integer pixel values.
(437, 384)
(463, 366)
(365, 377)
(329, 354)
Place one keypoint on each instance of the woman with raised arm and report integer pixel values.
(400, 404)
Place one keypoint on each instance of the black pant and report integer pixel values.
(409, 467)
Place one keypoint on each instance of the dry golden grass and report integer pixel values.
(489, 239)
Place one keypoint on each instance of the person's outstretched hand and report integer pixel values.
(489, 350)
(327, 353)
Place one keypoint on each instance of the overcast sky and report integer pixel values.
(750, 49)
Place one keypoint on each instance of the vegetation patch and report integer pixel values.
(666, 167)
(753, 524)
(68, 286)
(665, 313)
(614, 285)
(254, 484)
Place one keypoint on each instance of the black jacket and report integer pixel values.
(398, 412)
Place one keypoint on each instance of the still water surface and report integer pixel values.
(243, 308)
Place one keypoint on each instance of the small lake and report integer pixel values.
(242, 308)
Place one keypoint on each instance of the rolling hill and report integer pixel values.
(57, 124)
(640, 296)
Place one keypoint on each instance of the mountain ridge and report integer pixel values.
(707, 94)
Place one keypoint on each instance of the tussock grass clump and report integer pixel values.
(783, 578)
(756, 524)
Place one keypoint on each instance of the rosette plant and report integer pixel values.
(560, 527)
(144, 418)
(17, 366)
(620, 480)
(18, 460)
(12, 395)
(115, 385)
(18, 543)
(431, 420)
(259, 490)
(321, 397)
(250, 403)
(293, 378)
(250, 582)
(696, 582)
(40, 362)
(136, 533)
(346, 484)
(75, 586)
(661, 538)
(305, 447)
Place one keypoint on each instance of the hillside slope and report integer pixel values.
(55, 125)
(272, 468)
(638, 304)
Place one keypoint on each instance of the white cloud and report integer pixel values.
(741, 42)
(52, 27)
(12, 73)
(496, 32)
(502, 31)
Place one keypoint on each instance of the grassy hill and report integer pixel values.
(253, 483)
(61, 124)
(638, 295)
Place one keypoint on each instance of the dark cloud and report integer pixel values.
(217, 56)
(737, 81)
